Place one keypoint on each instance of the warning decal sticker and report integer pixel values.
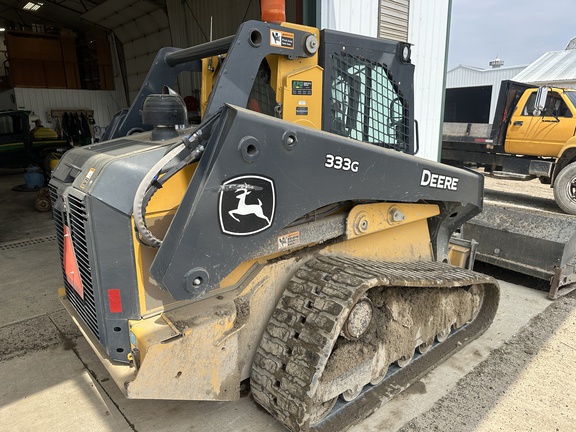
(281, 39)
(87, 178)
(289, 240)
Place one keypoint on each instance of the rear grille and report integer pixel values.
(86, 307)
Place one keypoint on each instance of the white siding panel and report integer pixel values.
(41, 101)
(428, 32)
(359, 16)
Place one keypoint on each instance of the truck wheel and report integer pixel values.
(565, 189)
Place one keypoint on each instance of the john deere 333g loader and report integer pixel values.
(291, 238)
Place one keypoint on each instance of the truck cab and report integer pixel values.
(532, 135)
(542, 131)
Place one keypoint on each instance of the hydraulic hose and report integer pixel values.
(151, 182)
(138, 208)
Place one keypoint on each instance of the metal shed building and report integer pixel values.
(554, 68)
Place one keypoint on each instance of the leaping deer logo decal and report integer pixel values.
(246, 209)
(247, 205)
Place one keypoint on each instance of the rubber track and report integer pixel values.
(306, 323)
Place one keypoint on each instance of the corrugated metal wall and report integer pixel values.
(466, 76)
(359, 16)
(394, 20)
(143, 29)
(41, 101)
(428, 32)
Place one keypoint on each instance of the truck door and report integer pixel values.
(541, 133)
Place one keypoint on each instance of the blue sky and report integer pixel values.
(517, 31)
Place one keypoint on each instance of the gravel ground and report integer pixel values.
(531, 193)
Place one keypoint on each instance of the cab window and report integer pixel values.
(554, 107)
(366, 104)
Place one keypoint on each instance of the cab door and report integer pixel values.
(541, 133)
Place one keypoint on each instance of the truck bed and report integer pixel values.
(465, 131)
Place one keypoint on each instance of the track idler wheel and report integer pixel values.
(359, 319)
(424, 347)
(351, 394)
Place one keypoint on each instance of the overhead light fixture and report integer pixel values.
(32, 6)
(2, 29)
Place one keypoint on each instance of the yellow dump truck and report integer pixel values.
(532, 136)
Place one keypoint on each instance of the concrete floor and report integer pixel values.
(51, 380)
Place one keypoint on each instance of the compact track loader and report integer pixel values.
(291, 238)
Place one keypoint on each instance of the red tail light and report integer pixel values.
(114, 300)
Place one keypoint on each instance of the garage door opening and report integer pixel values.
(468, 104)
